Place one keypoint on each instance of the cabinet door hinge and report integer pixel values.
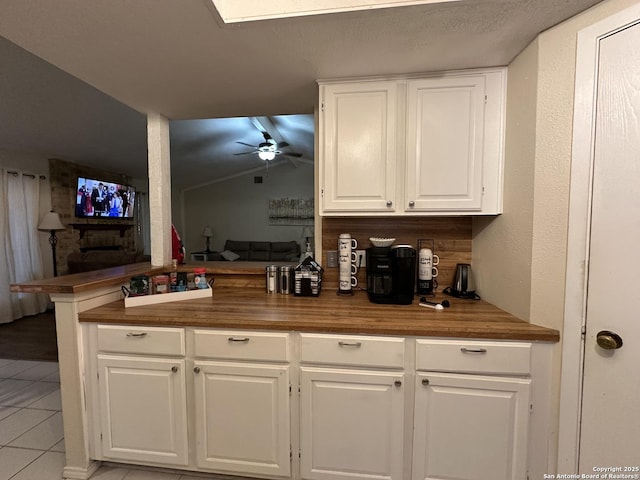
(486, 98)
(531, 408)
(583, 330)
(322, 107)
(290, 389)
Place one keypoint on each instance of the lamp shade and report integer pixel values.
(51, 221)
(207, 232)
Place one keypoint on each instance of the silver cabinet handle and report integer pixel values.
(174, 369)
(473, 350)
(350, 344)
(196, 369)
(389, 203)
(239, 340)
(412, 204)
(137, 335)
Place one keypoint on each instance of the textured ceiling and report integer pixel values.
(180, 60)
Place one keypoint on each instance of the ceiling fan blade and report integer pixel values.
(247, 144)
(283, 144)
(292, 154)
(244, 153)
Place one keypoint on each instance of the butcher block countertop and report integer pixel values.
(251, 308)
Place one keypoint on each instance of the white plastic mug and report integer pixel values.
(345, 242)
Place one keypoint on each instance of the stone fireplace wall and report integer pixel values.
(64, 176)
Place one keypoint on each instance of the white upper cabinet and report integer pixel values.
(359, 146)
(430, 144)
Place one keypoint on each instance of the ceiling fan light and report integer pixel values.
(266, 155)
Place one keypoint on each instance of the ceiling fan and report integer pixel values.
(269, 149)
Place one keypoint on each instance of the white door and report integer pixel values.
(445, 131)
(610, 429)
(358, 146)
(242, 418)
(351, 424)
(470, 427)
(143, 407)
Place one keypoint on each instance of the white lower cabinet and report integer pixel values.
(242, 418)
(351, 424)
(469, 425)
(144, 414)
(351, 407)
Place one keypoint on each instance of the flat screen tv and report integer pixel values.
(102, 199)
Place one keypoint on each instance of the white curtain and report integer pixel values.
(20, 255)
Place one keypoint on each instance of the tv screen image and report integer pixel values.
(98, 198)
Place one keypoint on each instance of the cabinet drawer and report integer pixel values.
(473, 356)
(141, 340)
(352, 350)
(241, 345)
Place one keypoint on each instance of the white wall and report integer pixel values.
(237, 209)
(502, 245)
(551, 156)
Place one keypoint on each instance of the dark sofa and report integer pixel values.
(102, 258)
(264, 251)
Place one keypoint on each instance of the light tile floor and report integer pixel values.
(31, 433)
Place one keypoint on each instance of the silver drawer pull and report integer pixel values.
(350, 344)
(239, 340)
(137, 335)
(473, 350)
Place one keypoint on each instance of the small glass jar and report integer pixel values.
(272, 279)
(200, 277)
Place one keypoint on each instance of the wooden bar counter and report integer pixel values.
(252, 308)
(237, 305)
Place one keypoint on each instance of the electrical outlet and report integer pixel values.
(361, 258)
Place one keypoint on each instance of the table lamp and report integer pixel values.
(51, 223)
(208, 232)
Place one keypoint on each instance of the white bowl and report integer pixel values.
(382, 242)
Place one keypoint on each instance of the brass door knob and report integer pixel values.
(608, 340)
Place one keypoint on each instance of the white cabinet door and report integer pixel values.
(445, 131)
(144, 414)
(351, 424)
(242, 418)
(470, 427)
(358, 146)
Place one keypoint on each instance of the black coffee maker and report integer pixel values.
(391, 273)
